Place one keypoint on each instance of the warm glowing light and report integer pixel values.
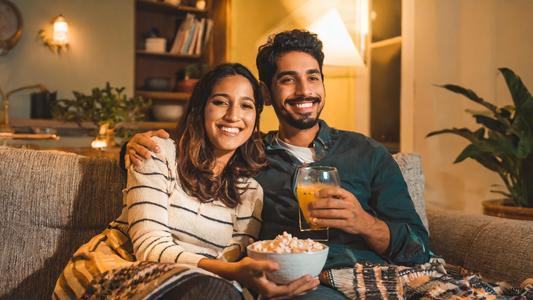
(362, 25)
(99, 144)
(339, 49)
(60, 34)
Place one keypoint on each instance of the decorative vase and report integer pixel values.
(497, 208)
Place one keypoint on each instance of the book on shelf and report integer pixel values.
(188, 37)
(180, 34)
(196, 37)
(192, 35)
(199, 38)
(208, 28)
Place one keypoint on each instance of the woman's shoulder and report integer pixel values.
(252, 190)
(167, 148)
(251, 184)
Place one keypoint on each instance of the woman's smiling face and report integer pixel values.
(230, 114)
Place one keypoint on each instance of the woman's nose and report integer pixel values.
(232, 114)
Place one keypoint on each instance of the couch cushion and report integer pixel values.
(411, 166)
(498, 248)
(52, 202)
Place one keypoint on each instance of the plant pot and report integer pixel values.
(497, 208)
(186, 85)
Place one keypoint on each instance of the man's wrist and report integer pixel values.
(371, 225)
(377, 234)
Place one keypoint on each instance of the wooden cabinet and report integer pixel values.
(385, 72)
(166, 18)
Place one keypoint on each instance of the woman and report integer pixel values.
(182, 219)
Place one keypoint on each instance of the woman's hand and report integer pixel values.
(140, 145)
(252, 274)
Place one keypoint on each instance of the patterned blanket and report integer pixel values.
(434, 280)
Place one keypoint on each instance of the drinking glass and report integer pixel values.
(310, 180)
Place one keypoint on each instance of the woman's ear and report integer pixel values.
(266, 93)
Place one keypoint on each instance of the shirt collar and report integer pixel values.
(322, 140)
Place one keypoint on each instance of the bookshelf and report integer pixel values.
(167, 19)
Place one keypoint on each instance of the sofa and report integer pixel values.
(52, 202)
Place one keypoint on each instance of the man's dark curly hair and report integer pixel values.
(280, 43)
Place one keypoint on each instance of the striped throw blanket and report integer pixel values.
(434, 280)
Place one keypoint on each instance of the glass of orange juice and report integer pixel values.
(310, 180)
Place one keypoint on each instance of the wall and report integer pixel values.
(101, 50)
(253, 21)
(462, 42)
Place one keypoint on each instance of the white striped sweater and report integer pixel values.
(167, 225)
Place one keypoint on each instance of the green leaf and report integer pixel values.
(507, 111)
(526, 180)
(485, 159)
(518, 90)
(464, 132)
(470, 94)
(491, 123)
(509, 196)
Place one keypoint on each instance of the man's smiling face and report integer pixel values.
(297, 91)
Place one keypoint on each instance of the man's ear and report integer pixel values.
(266, 93)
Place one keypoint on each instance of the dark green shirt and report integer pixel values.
(368, 171)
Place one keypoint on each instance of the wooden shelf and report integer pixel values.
(170, 96)
(46, 123)
(167, 7)
(383, 43)
(167, 55)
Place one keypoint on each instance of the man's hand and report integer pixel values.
(251, 273)
(139, 147)
(337, 208)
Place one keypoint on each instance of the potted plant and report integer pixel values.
(503, 144)
(189, 77)
(109, 109)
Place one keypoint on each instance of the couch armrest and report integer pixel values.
(499, 249)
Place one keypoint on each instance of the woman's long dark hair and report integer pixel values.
(195, 157)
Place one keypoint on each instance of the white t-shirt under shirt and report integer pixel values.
(304, 154)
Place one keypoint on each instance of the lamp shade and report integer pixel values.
(60, 34)
(339, 48)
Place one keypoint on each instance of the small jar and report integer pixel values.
(200, 4)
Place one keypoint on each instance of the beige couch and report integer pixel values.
(52, 202)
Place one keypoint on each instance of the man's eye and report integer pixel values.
(314, 78)
(286, 80)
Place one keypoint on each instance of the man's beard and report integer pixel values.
(305, 122)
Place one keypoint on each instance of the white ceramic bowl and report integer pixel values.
(292, 265)
(167, 112)
(155, 44)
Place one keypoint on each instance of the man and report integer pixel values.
(371, 216)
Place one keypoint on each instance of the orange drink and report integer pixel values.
(309, 181)
(306, 195)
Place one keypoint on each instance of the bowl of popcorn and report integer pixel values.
(296, 257)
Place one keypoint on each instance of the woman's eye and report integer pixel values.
(248, 106)
(218, 102)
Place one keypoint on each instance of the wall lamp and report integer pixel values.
(58, 39)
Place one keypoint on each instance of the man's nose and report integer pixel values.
(303, 88)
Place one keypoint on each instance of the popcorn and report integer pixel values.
(286, 243)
